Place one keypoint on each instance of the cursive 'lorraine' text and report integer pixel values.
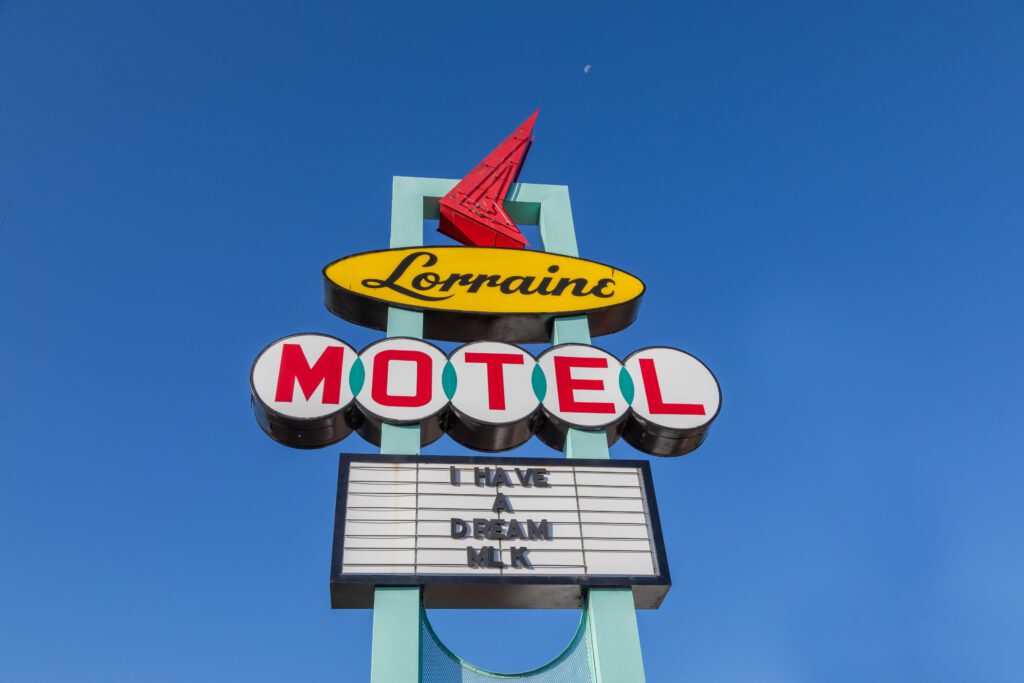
(413, 278)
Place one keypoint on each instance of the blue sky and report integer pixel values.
(825, 200)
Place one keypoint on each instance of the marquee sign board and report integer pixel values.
(477, 293)
(313, 390)
(486, 532)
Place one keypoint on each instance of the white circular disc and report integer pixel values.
(403, 380)
(582, 385)
(509, 397)
(672, 389)
(304, 376)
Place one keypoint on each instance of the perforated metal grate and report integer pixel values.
(441, 665)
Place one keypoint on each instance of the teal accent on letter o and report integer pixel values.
(449, 380)
(357, 376)
(540, 383)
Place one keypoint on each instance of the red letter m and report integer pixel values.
(295, 368)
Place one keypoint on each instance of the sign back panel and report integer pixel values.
(486, 532)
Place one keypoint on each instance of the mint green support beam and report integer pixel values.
(406, 231)
(395, 654)
(614, 637)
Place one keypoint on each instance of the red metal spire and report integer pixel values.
(472, 212)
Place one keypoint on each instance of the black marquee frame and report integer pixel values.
(488, 591)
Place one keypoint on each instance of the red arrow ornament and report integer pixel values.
(472, 212)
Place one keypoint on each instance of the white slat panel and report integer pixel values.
(379, 543)
(392, 487)
(611, 505)
(394, 472)
(378, 569)
(620, 563)
(609, 492)
(596, 544)
(591, 477)
(461, 502)
(459, 569)
(386, 528)
(637, 531)
(444, 488)
(445, 514)
(541, 557)
(549, 571)
(390, 556)
(524, 504)
(381, 500)
(428, 528)
(379, 514)
(450, 544)
(554, 544)
(455, 556)
(604, 517)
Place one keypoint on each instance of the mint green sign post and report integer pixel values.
(612, 627)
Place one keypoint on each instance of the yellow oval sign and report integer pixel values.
(469, 293)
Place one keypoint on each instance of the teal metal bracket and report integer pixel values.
(609, 618)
